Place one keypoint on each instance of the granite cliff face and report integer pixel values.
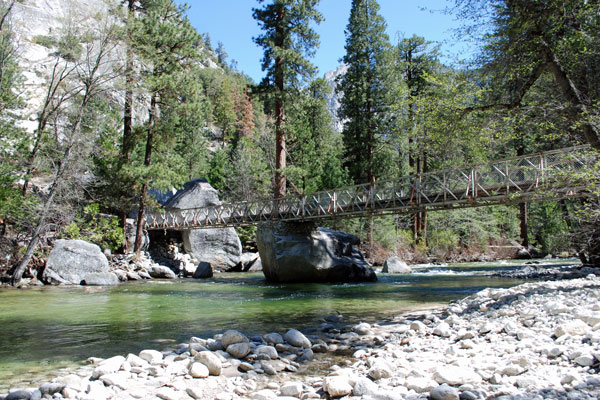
(333, 103)
(38, 23)
(35, 22)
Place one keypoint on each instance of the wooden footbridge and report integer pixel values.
(534, 177)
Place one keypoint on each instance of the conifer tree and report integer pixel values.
(364, 105)
(167, 46)
(288, 40)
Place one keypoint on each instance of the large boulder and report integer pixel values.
(301, 252)
(78, 262)
(221, 247)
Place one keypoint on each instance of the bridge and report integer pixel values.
(535, 177)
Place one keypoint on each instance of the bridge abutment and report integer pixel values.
(301, 252)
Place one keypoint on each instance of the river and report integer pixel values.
(46, 329)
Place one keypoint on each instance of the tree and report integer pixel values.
(527, 39)
(364, 105)
(314, 147)
(71, 146)
(167, 46)
(224, 110)
(416, 62)
(13, 140)
(287, 42)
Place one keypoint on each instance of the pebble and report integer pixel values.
(444, 392)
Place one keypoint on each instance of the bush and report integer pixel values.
(443, 242)
(91, 226)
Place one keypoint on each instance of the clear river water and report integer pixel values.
(45, 329)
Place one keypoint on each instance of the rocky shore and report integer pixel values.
(534, 341)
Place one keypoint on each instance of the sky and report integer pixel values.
(231, 22)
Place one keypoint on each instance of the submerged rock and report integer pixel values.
(299, 252)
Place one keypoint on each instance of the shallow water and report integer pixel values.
(48, 328)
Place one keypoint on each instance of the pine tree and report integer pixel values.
(364, 105)
(416, 62)
(167, 46)
(287, 41)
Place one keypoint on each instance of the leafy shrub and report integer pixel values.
(103, 230)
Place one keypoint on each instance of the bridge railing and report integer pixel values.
(546, 174)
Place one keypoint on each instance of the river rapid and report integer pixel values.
(47, 329)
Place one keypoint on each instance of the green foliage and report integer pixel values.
(365, 87)
(314, 148)
(217, 172)
(549, 228)
(247, 236)
(289, 37)
(44, 40)
(443, 242)
(90, 225)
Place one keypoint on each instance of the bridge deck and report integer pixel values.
(548, 175)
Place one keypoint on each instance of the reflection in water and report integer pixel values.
(45, 328)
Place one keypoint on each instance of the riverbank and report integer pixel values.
(533, 340)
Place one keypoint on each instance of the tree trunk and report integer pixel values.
(128, 140)
(280, 151)
(139, 232)
(573, 95)
(523, 216)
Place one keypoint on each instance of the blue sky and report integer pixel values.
(231, 22)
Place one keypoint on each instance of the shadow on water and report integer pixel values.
(43, 329)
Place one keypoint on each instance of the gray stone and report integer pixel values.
(364, 387)
(36, 395)
(203, 271)
(380, 370)
(199, 370)
(108, 366)
(444, 392)
(337, 386)
(274, 338)
(232, 336)
(395, 265)
(297, 339)
(248, 260)
(292, 389)
(299, 252)
(19, 395)
(221, 247)
(307, 355)
(161, 272)
(151, 356)
(268, 351)
(211, 360)
(51, 388)
(256, 267)
(265, 394)
(100, 279)
(70, 261)
(239, 350)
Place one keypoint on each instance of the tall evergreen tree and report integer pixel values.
(364, 105)
(416, 62)
(288, 40)
(167, 46)
(365, 101)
